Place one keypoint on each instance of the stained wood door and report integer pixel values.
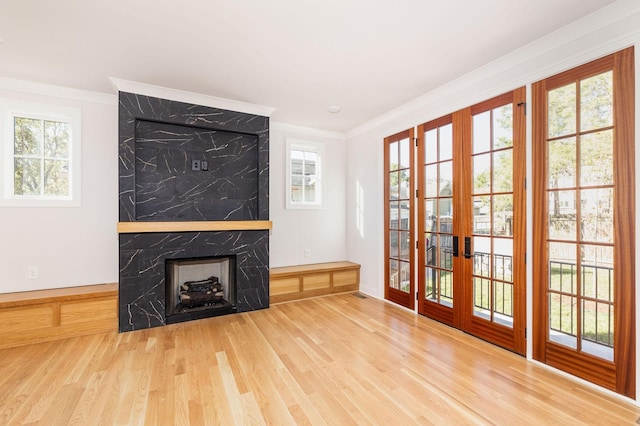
(584, 222)
(399, 252)
(471, 218)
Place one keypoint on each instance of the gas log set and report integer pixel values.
(208, 292)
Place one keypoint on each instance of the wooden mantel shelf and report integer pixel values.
(193, 226)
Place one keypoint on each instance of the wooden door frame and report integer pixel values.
(619, 375)
(404, 299)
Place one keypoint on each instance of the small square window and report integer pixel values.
(41, 155)
(304, 174)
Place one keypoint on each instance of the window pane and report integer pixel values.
(296, 188)
(482, 132)
(297, 159)
(405, 153)
(503, 215)
(56, 139)
(503, 171)
(596, 102)
(27, 176)
(446, 142)
(503, 127)
(503, 259)
(563, 273)
(310, 159)
(597, 272)
(596, 158)
(562, 215)
(394, 161)
(482, 256)
(596, 220)
(482, 215)
(431, 180)
(562, 110)
(446, 179)
(563, 319)
(431, 146)
(482, 173)
(56, 177)
(562, 163)
(28, 136)
(310, 190)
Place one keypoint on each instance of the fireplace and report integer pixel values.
(199, 288)
(193, 201)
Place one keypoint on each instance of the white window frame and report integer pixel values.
(307, 146)
(9, 109)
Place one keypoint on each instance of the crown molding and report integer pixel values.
(189, 97)
(43, 89)
(611, 28)
(294, 129)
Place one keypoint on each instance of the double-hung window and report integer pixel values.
(304, 174)
(41, 155)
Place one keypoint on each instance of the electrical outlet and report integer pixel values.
(195, 165)
(307, 252)
(32, 272)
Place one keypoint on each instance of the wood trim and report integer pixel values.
(319, 279)
(194, 226)
(618, 375)
(45, 315)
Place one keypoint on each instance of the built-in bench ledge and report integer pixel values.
(298, 282)
(193, 226)
(43, 315)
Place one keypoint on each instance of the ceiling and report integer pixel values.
(298, 56)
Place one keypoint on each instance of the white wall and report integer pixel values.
(604, 32)
(294, 230)
(75, 245)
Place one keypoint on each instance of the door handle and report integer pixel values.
(455, 246)
(467, 247)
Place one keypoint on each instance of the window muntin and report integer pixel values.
(304, 174)
(41, 155)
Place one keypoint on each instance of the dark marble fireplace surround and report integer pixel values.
(158, 142)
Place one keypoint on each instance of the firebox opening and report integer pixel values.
(200, 287)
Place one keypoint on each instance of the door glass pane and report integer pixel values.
(405, 180)
(394, 250)
(394, 185)
(503, 171)
(482, 214)
(563, 322)
(562, 215)
(446, 288)
(482, 132)
(482, 174)
(596, 218)
(431, 180)
(431, 146)
(405, 159)
(403, 219)
(597, 329)
(503, 303)
(394, 215)
(561, 163)
(596, 159)
(503, 127)
(431, 279)
(503, 215)
(405, 242)
(597, 272)
(446, 142)
(596, 102)
(563, 272)
(562, 111)
(503, 259)
(446, 179)
(482, 256)
(394, 274)
(394, 161)
(482, 297)
(405, 277)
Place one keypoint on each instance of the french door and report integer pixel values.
(471, 220)
(399, 245)
(584, 222)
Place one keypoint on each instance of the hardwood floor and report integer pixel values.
(339, 359)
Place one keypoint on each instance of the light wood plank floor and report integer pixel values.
(337, 360)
